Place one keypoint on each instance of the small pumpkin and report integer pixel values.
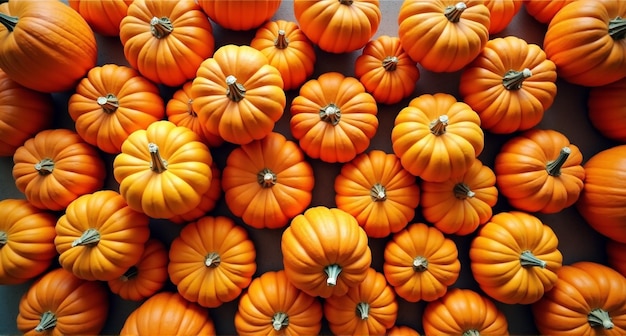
(103, 16)
(501, 13)
(401, 330)
(544, 10)
(208, 201)
(616, 254)
(607, 109)
(240, 15)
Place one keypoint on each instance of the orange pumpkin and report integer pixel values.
(461, 204)
(112, 102)
(212, 261)
(510, 84)
(616, 253)
(325, 252)
(333, 118)
(607, 109)
(544, 10)
(501, 13)
(443, 35)
(238, 95)
(338, 26)
(103, 16)
(240, 15)
(437, 137)
(386, 71)
(59, 303)
(378, 192)
(540, 171)
(421, 263)
(166, 41)
(56, 166)
(273, 305)
(208, 201)
(401, 330)
(369, 308)
(26, 241)
(267, 182)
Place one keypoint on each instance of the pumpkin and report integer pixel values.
(515, 258)
(164, 170)
(26, 241)
(588, 299)
(208, 201)
(23, 113)
(338, 26)
(463, 312)
(603, 197)
(112, 102)
(166, 40)
(273, 305)
(386, 71)
(212, 261)
(378, 192)
(540, 171)
(103, 16)
(443, 35)
(421, 263)
(437, 137)
(100, 237)
(501, 13)
(325, 252)
(402, 330)
(607, 109)
(267, 182)
(288, 49)
(461, 204)
(56, 166)
(238, 95)
(333, 118)
(46, 46)
(544, 10)
(616, 256)
(146, 277)
(168, 313)
(369, 308)
(59, 303)
(240, 15)
(585, 39)
(510, 84)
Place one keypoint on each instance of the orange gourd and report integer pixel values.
(212, 261)
(240, 15)
(544, 10)
(616, 256)
(402, 330)
(421, 263)
(333, 118)
(103, 16)
(501, 13)
(607, 109)
(208, 201)
(55, 167)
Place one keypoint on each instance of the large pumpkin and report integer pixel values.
(103, 16)
(607, 109)
(240, 15)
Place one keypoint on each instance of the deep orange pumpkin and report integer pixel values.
(616, 254)
(103, 16)
(501, 13)
(544, 10)
(607, 109)
(240, 15)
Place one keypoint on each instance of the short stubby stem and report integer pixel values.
(346, 2)
(234, 91)
(9, 22)
(554, 167)
(390, 63)
(281, 41)
(332, 272)
(212, 259)
(280, 320)
(528, 259)
(190, 109)
(157, 163)
(89, 237)
(600, 318)
(438, 126)
(109, 103)
(266, 178)
(45, 166)
(617, 28)
(363, 310)
(463, 191)
(48, 320)
(453, 13)
(471, 332)
(378, 193)
(131, 273)
(4, 238)
(161, 27)
(513, 80)
(420, 264)
(330, 113)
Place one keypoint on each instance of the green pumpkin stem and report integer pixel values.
(332, 271)
(363, 310)
(48, 320)
(420, 264)
(157, 164)
(281, 41)
(471, 332)
(161, 27)
(132, 272)
(438, 126)
(266, 178)
(4, 238)
(212, 260)
(45, 166)
(513, 80)
(378, 193)
(235, 91)
(463, 191)
(109, 103)
(617, 28)
(280, 320)
(390, 63)
(330, 113)
(8, 21)
(600, 318)
(453, 13)
(91, 236)
(554, 167)
(528, 259)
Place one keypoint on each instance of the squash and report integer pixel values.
(401, 330)
(616, 256)
(544, 10)
(208, 201)
(501, 13)
(606, 106)
(240, 15)
(103, 16)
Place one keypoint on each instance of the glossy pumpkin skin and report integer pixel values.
(421, 263)
(164, 170)
(100, 237)
(103, 16)
(23, 113)
(267, 182)
(616, 256)
(325, 252)
(461, 204)
(333, 118)
(212, 261)
(607, 109)
(274, 306)
(386, 70)
(378, 192)
(540, 171)
(443, 35)
(592, 53)
(26, 241)
(587, 300)
(59, 303)
(238, 95)
(544, 10)
(338, 26)
(510, 84)
(55, 167)
(240, 15)
(112, 102)
(501, 13)
(167, 313)
(166, 41)
(437, 137)
(208, 201)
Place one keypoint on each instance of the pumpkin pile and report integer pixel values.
(220, 187)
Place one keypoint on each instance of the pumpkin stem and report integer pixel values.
(8, 21)
(600, 317)
(235, 91)
(617, 28)
(190, 109)
(4, 238)
(346, 2)
(420, 264)
(390, 63)
(281, 41)
(48, 320)
(363, 310)
(330, 113)
(438, 126)
(512, 80)
(91, 236)
(45, 166)
(157, 164)
(528, 259)
(378, 193)
(471, 332)
(554, 167)
(266, 178)
(463, 191)
(109, 103)
(453, 13)
(332, 271)
(161, 27)
(132, 272)
(212, 260)
(280, 320)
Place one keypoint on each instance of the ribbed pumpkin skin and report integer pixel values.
(239, 15)
(208, 201)
(544, 10)
(402, 331)
(103, 16)
(501, 13)
(607, 109)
